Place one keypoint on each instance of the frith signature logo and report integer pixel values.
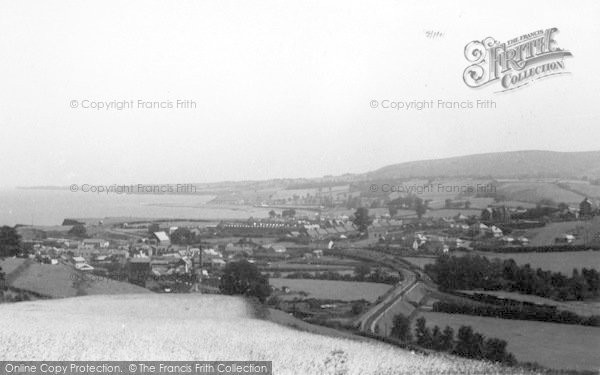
(515, 63)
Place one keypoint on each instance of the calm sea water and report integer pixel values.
(50, 207)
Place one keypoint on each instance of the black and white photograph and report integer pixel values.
(299, 187)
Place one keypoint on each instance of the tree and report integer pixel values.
(401, 328)
(272, 214)
(357, 308)
(153, 228)
(463, 341)
(362, 219)
(495, 350)
(288, 213)
(244, 278)
(78, 231)
(469, 344)
(10, 242)
(422, 333)
(362, 270)
(436, 338)
(420, 208)
(183, 236)
(447, 338)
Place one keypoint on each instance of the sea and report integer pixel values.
(52, 206)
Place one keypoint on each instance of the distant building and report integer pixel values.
(586, 208)
(162, 239)
(565, 239)
(95, 243)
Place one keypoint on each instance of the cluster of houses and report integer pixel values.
(80, 253)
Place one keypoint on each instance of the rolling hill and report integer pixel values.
(500, 165)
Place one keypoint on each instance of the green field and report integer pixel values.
(563, 262)
(559, 346)
(338, 290)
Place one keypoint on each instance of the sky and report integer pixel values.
(283, 89)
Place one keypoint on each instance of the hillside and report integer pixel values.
(197, 327)
(60, 280)
(500, 165)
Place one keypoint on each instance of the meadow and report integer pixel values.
(199, 328)
(558, 346)
(329, 289)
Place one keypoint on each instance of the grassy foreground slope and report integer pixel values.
(196, 327)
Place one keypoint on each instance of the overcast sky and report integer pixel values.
(283, 88)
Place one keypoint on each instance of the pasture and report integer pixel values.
(328, 289)
(558, 346)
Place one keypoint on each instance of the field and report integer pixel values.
(60, 280)
(420, 262)
(559, 346)
(198, 328)
(535, 191)
(338, 290)
(563, 262)
(546, 235)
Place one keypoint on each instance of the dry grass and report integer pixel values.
(195, 327)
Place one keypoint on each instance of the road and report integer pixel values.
(368, 321)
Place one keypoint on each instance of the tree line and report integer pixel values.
(478, 272)
(467, 343)
(523, 312)
(377, 276)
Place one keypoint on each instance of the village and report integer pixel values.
(340, 257)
